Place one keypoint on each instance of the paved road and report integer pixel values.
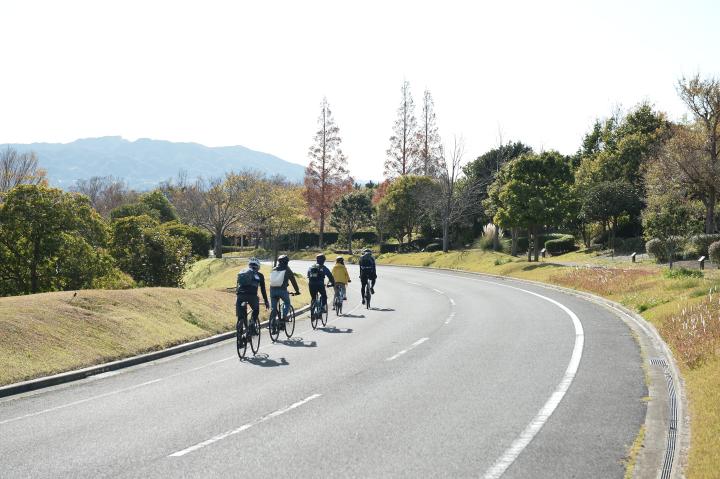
(448, 375)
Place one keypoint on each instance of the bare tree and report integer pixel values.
(105, 192)
(326, 177)
(402, 156)
(702, 97)
(430, 154)
(19, 169)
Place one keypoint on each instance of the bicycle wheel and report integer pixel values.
(241, 338)
(313, 314)
(324, 316)
(255, 335)
(340, 305)
(273, 328)
(368, 295)
(290, 323)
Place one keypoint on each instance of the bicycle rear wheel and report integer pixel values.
(241, 338)
(255, 335)
(290, 323)
(323, 315)
(273, 328)
(313, 314)
(368, 295)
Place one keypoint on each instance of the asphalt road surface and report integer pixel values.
(448, 375)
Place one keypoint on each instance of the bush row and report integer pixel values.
(562, 245)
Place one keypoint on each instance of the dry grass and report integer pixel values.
(606, 282)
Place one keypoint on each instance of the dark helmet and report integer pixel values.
(283, 259)
(340, 260)
(367, 251)
(320, 258)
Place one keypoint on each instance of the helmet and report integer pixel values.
(340, 260)
(283, 259)
(367, 250)
(254, 263)
(320, 258)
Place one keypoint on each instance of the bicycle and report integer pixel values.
(317, 313)
(287, 323)
(247, 332)
(338, 299)
(368, 295)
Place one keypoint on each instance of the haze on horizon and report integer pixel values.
(254, 74)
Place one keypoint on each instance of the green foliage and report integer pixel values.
(656, 248)
(147, 252)
(134, 209)
(667, 215)
(682, 273)
(200, 239)
(49, 241)
(153, 204)
(699, 245)
(562, 245)
(714, 251)
(432, 247)
(114, 279)
(351, 212)
(606, 201)
(404, 204)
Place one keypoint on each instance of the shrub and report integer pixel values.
(656, 248)
(484, 243)
(523, 240)
(114, 279)
(682, 273)
(200, 240)
(561, 245)
(433, 247)
(388, 248)
(699, 245)
(714, 251)
(630, 245)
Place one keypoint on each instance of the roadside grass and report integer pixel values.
(49, 333)
(633, 452)
(684, 306)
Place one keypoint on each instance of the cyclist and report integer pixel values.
(280, 277)
(367, 272)
(316, 279)
(342, 278)
(248, 281)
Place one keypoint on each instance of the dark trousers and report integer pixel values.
(241, 310)
(364, 278)
(318, 288)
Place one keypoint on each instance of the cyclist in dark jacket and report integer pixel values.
(280, 277)
(316, 279)
(367, 272)
(248, 282)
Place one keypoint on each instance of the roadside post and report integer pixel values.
(543, 252)
(632, 256)
(702, 262)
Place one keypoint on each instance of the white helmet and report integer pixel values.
(254, 263)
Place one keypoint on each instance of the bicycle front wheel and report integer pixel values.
(255, 335)
(241, 339)
(313, 315)
(368, 295)
(290, 323)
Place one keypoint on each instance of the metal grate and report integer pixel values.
(672, 430)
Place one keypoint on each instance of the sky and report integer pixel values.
(254, 73)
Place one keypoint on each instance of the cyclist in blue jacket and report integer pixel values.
(316, 279)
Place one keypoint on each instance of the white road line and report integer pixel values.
(413, 345)
(450, 318)
(438, 291)
(452, 301)
(527, 435)
(244, 427)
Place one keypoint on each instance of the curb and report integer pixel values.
(648, 465)
(78, 374)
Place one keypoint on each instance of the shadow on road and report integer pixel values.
(382, 309)
(353, 315)
(263, 360)
(337, 330)
(299, 343)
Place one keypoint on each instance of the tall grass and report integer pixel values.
(605, 282)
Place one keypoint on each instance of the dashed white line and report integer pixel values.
(413, 345)
(450, 318)
(438, 291)
(244, 427)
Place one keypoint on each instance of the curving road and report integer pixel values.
(449, 374)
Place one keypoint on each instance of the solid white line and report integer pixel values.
(244, 427)
(450, 318)
(527, 435)
(413, 345)
(438, 291)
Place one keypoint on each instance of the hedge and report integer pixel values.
(699, 245)
(523, 240)
(389, 248)
(656, 248)
(714, 251)
(560, 245)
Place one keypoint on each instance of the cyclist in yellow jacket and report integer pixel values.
(342, 278)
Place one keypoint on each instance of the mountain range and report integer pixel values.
(144, 163)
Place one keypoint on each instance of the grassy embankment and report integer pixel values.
(684, 308)
(48, 333)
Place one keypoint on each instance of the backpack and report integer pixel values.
(314, 273)
(277, 278)
(367, 262)
(246, 278)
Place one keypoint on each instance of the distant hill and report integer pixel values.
(144, 163)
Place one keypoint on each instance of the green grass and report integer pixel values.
(676, 303)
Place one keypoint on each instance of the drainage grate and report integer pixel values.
(672, 430)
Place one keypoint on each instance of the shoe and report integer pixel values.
(344, 299)
(363, 301)
(372, 290)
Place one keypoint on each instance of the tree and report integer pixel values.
(607, 201)
(350, 213)
(702, 143)
(50, 240)
(106, 193)
(402, 156)
(532, 191)
(19, 169)
(326, 177)
(430, 154)
(153, 204)
(199, 238)
(404, 204)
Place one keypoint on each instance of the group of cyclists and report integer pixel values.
(250, 280)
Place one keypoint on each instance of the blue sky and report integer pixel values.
(254, 73)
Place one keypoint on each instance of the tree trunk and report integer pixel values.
(514, 241)
(218, 243)
(446, 234)
(710, 215)
(350, 235)
(536, 243)
(496, 239)
(322, 229)
(530, 244)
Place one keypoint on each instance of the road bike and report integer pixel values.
(338, 299)
(368, 295)
(287, 323)
(247, 332)
(316, 312)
